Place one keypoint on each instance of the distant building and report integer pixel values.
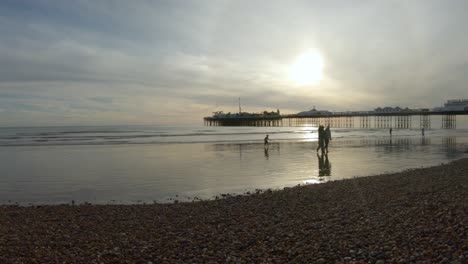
(314, 112)
(456, 105)
(218, 114)
(388, 109)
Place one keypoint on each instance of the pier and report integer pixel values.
(370, 119)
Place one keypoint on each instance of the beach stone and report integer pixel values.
(412, 216)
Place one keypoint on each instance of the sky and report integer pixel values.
(173, 62)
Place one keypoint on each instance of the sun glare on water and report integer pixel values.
(307, 68)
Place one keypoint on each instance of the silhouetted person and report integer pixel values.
(321, 139)
(390, 131)
(266, 140)
(422, 131)
(327, 137)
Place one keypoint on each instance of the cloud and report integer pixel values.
(151, 62)
(104, 100)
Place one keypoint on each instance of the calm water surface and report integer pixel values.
(145, 164)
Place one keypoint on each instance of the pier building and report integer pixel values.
(386, 117)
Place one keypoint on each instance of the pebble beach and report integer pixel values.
(414, 216)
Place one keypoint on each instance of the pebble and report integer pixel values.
(411, 216)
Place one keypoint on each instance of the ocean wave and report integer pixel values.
(165, 135)
(146, 135)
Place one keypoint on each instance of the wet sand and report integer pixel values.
(412, 216)
(130, 174)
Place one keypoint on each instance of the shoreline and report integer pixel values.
(410, 216)
(218, 196)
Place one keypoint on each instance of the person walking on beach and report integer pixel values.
(321, 139)
(266, 141)
(327, 137)
(422, 131)
(390, 131)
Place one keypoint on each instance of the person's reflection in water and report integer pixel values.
(266, 152)
(324, 165)
(425, 141)
(240, 151)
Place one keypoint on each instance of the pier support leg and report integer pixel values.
(449, 121)
(364, 121)
(424, 121)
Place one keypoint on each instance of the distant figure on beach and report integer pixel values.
(422, 131)
(266, 140)
(390, 131)
(321, 139)
(327, 137)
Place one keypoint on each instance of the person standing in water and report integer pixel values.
(422, 131)
(390, 131)
(327, 137)
(266, 141)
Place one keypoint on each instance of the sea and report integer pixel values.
(165, 164)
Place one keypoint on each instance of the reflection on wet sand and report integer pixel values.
(324, 170)
(240, 148)
(389, 144)
(450, 146)
(394, 141)
(244, 148)
(425, 141)
(380, 153)
(450, 142)
(324, 165)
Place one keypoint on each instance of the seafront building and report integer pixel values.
(314, 112)
(454, 105)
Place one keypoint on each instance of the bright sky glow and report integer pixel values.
(118, 62)
(307, 69)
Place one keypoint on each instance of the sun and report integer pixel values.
(307, 68)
